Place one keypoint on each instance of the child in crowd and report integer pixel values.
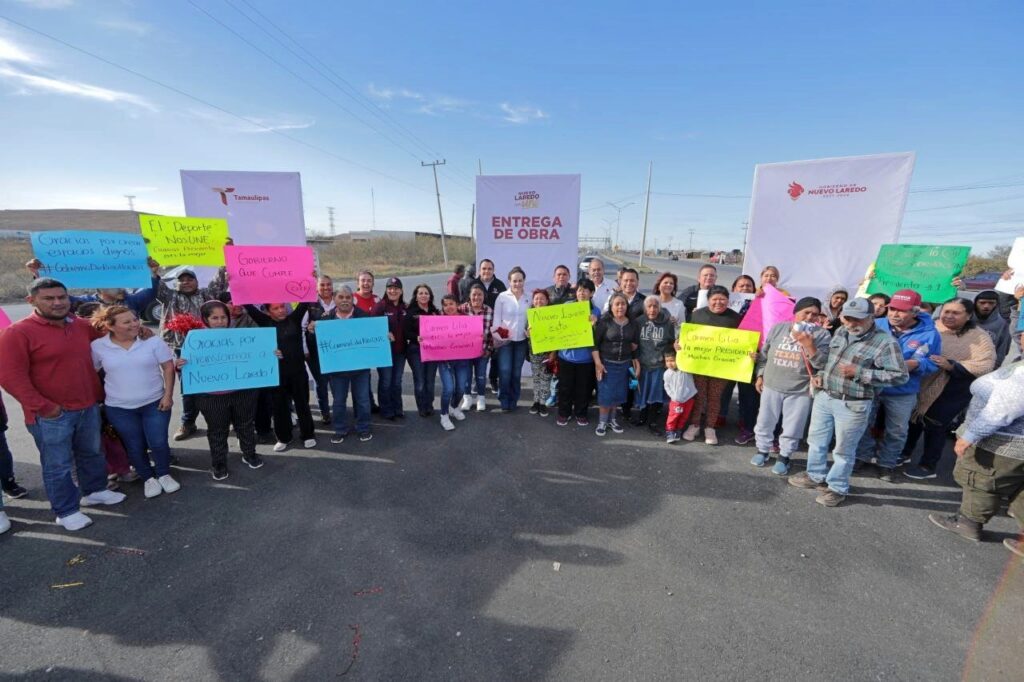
(681, 390)
(454, 375)
(576, 369)
(540, 364)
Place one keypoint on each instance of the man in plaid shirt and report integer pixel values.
(862, 360)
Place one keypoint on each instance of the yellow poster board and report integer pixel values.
(173, 240)
(559, 327)
(717, 352)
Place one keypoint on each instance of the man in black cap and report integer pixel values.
(986, 312)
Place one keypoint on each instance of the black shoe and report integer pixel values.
(174, 461)
(535, 408)
(640, 418)
(266, 438)
(325, 421)
(219, 472)
(888, 475)
(253, 461)
(13, 490)
(374, 408)
(542, 410)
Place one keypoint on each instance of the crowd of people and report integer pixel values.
(862, 380)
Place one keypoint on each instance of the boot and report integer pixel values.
(640, 418)
(656, 420)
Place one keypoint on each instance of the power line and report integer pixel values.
(206, 103)
(969, 203)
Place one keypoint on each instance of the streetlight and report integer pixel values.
(618, 218)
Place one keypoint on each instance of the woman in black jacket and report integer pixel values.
(423, 373)
(615, 343)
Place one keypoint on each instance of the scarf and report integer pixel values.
(973, 349)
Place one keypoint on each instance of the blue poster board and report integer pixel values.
(229, 360)
(347, 345)
(83, 259)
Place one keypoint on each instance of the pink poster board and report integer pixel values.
(270, 274)
(767, 311)
(451, 337)
(5, 321)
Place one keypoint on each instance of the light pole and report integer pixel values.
(618, 217)
(131, 201)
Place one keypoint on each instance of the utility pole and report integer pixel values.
(608, 233)
(373, 209)
(691, 238)
(479, 167)
(472, 223)
(440, 216)
(131, 201)
(330, 218)
(647, 208)
(618, 219)
(746, 227)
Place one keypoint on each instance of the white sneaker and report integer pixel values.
(280, 447)
(467, 403)
(481, 404)
(152, 488)
(169, 484)
(102, 497)
(710, 437)
(309, 443)
(76, 521)
(446, 423)
(691, 432)
(457, 413)
(5, 523)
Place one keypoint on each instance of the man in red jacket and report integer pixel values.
(47, 367)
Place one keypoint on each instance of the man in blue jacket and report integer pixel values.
(917, 337)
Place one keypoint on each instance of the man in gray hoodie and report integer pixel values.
(986, 312)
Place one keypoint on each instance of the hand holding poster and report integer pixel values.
(558, 327)
(229, 360)
(1014, 262)
(451, 337)
(358, 343)
(270, 274)
(83, 259)
(184, 241)
(928, 270)
(717, 352)
(766, 312)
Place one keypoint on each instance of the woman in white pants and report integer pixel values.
(791, 353)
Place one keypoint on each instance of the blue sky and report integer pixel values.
(705, 92)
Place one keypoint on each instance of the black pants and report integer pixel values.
(221, 411)
(294, 388)
(575, 384)
(264, 410)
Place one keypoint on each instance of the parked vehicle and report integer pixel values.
(982, 281)
(583, 270)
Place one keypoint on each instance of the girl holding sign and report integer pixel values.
(454, 375)
(478, 367)
(423, 373)
(615, 343)
(540, 363)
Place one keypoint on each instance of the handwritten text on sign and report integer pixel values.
(928, 270)
(270, 274)
(358, 343)
(229, 360)
(717, 352)
(558, 327)
(451, 337)
(83, 259)
(184, 241)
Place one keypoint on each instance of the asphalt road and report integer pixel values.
(507, 549)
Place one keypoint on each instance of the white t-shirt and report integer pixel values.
(602, 292)
(133, 376)
(674, 308)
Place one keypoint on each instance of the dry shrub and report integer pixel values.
(386, 257)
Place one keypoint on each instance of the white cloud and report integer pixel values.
(9, 52)
(428, 104)
(47, 4)
(521, 114)
(259, 124)
(136, 28)
(29, 83)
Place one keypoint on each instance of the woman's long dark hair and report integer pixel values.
(968, 306)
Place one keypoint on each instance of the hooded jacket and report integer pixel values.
(924, 332)
(999, 329)
(656, 336)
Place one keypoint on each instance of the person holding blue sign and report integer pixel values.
(356, 381)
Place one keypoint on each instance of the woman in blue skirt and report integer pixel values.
(615, 344)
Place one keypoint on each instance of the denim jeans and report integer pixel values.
(140, 428)
(848, 420)
(359, 383)
(72, 440)
(423, 375)
(477, 373)
(897, 424)
(454, 376)
(389, 387)
(510, 371)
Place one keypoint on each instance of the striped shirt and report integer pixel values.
(488, 315)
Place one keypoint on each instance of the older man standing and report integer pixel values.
(918, 339)
(603, 288)
(492, 287)
(47, 367)
(862, 360)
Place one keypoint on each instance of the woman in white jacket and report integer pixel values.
(509, 332)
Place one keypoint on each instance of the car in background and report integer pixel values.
(583, 270)
(673, 255)
(982, 281)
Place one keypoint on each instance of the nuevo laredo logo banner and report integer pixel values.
(796, 190)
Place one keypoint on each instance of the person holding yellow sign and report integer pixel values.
(709, 389)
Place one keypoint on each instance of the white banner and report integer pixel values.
(532, 221)
(821, 222)
(262, 209)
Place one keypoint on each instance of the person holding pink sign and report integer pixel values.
(454, 375)
(478, 366)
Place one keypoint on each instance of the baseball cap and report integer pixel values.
(858, 308)
(904, 300)
(186, 273)
(393, 282)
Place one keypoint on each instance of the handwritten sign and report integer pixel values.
(184, 241)
(83, 259)
(451, 337)
(229, 360)
(928, 270)
(717, 352)
(5, 321)
(358, 343)
(270, 274)
(559, 327)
